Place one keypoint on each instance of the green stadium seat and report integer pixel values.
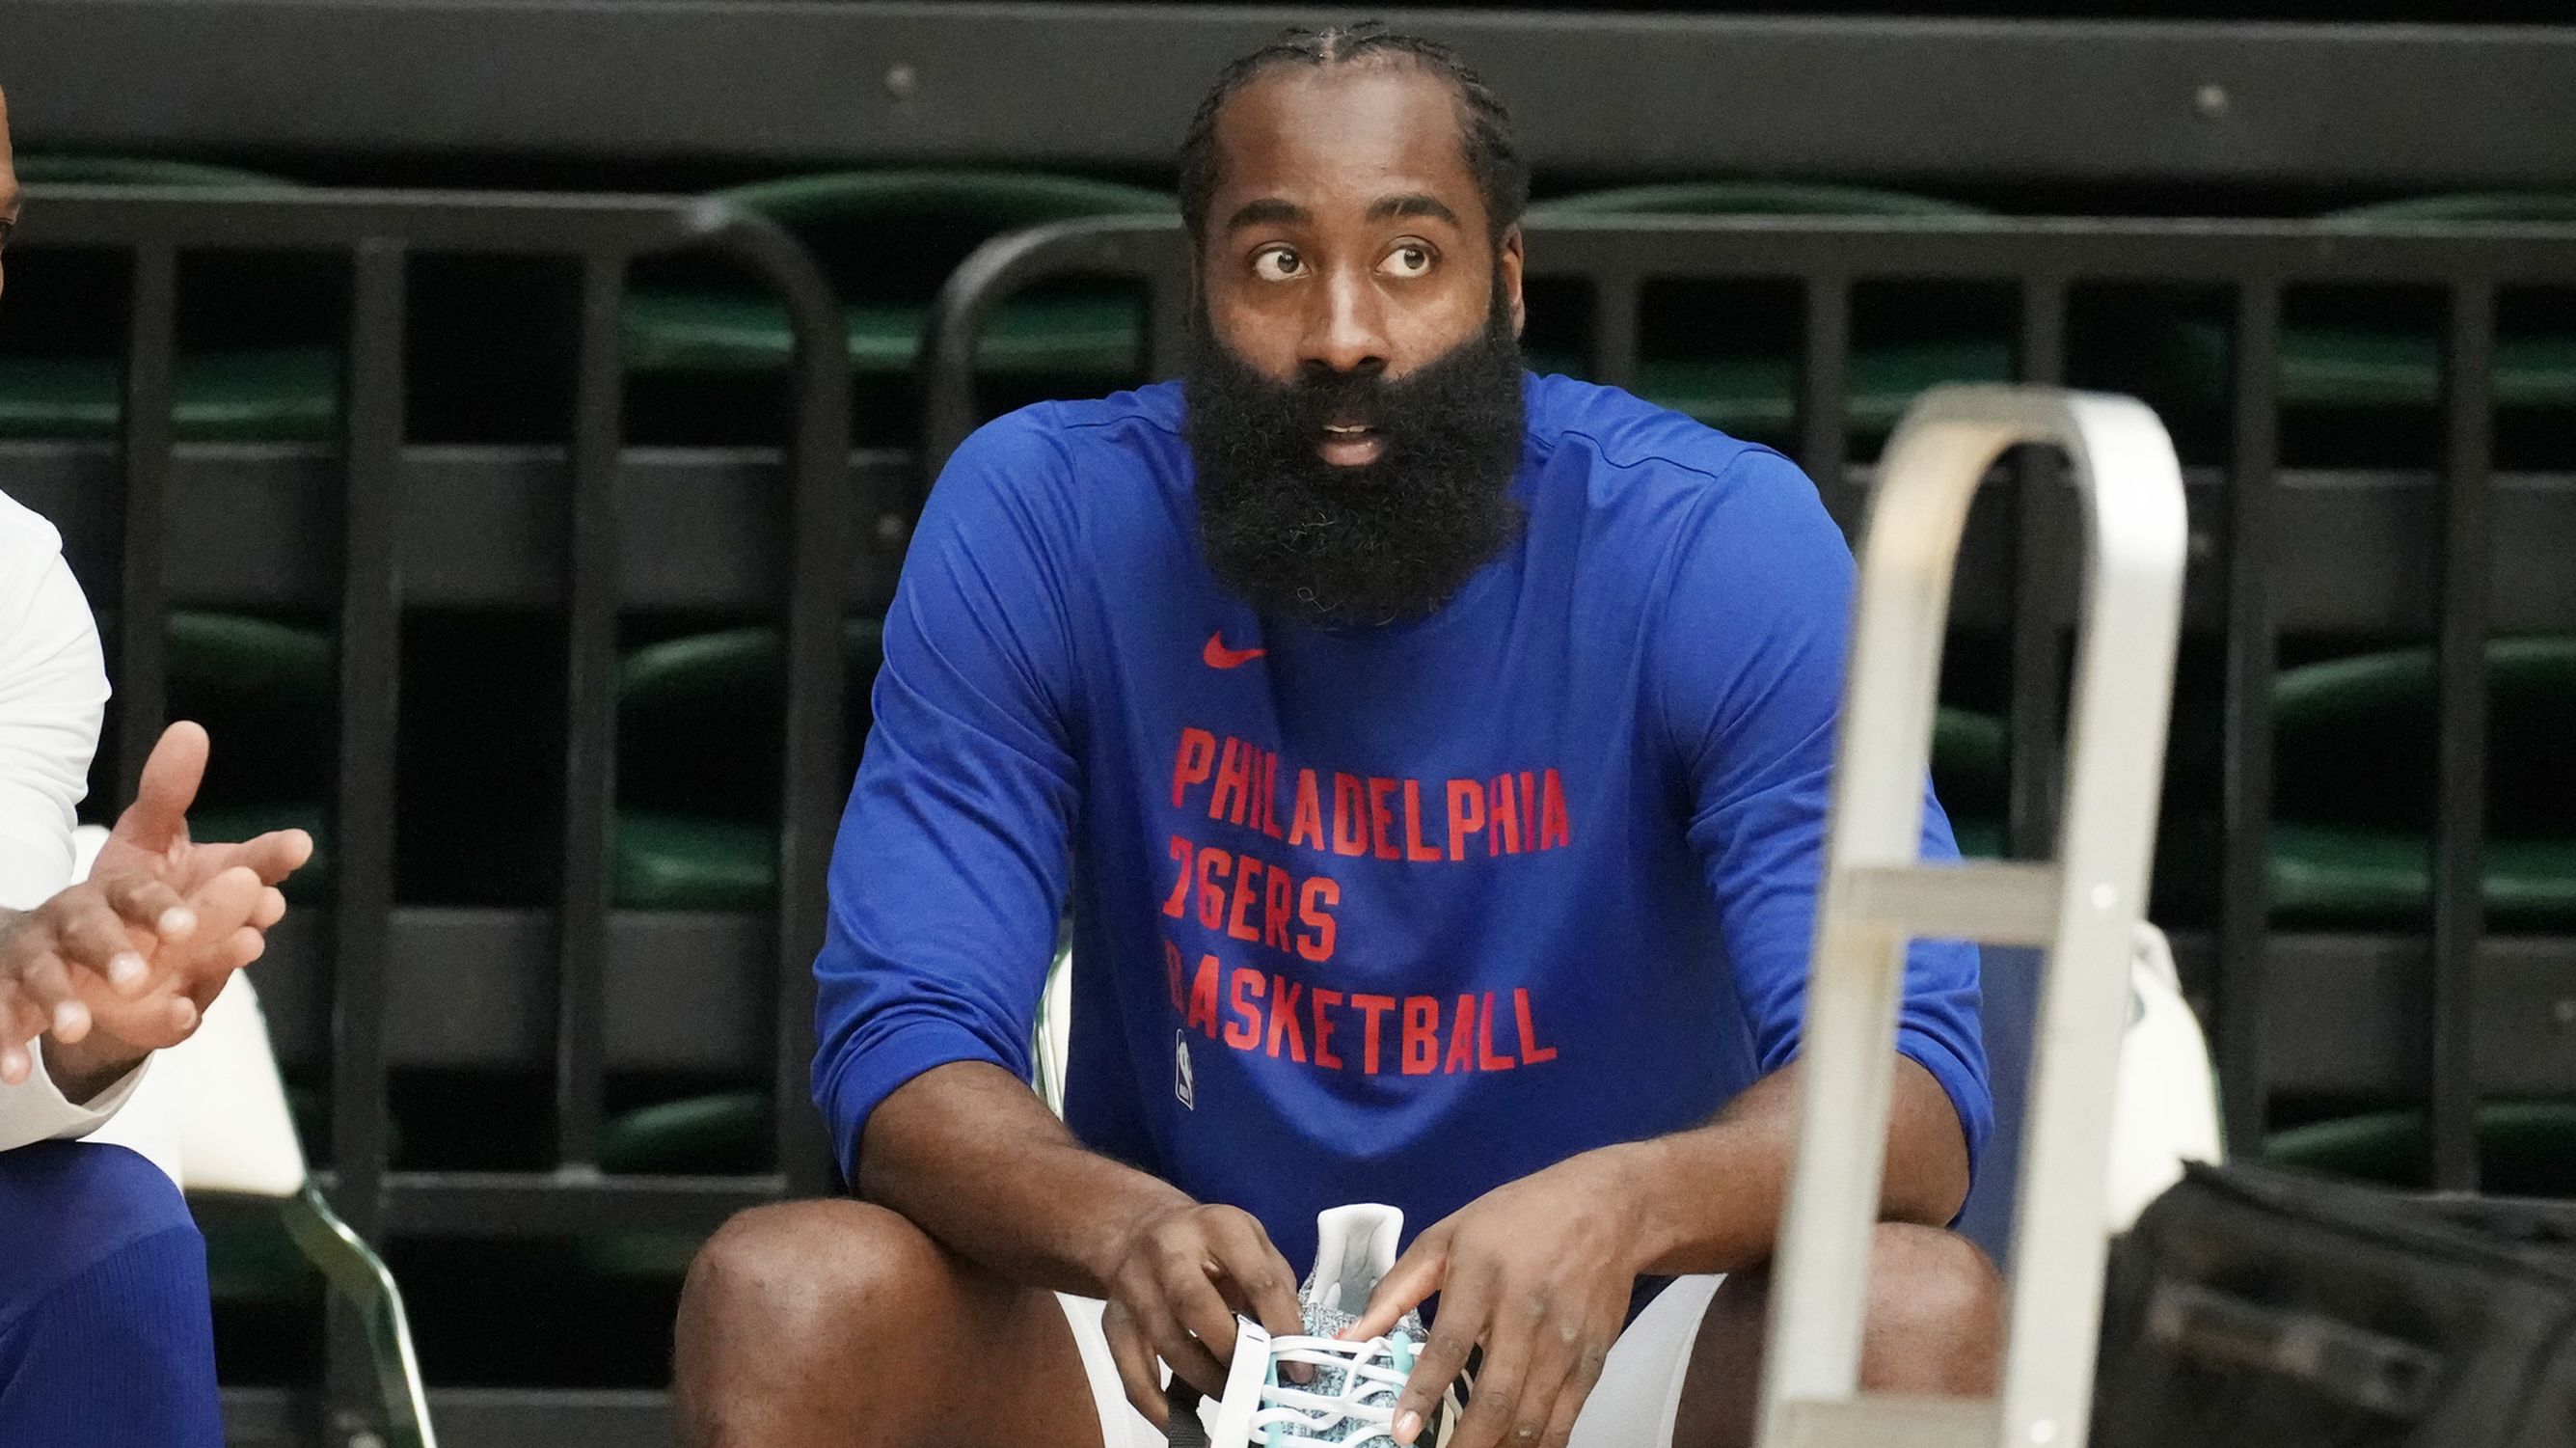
(1750, 198)
(1754, 394)
(667, 860)
(43, 169)
(891, 236)
(2351, 841)
(2525, 1148)
(255, 658)
(234, 394)
(696, 825)
(273, 394)
(707, 331)
(2361, 365)
(721, 1132)
(2321, 870)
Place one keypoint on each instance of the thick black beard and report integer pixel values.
(1335, 547)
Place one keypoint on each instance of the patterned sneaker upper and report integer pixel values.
(1313, 1387)
(1349, 1402)
(1350, 1397)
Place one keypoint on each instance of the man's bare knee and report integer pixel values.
(780, 1306)
(1936, 1314)
(802, 1261)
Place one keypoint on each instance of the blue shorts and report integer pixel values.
(106, 1333)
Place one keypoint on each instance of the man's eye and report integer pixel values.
(1407, 261)
(1277, 264)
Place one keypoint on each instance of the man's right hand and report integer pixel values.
(1183, 1275)
(108, 929)
(234, 911)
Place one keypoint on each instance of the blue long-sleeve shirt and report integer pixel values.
(1394, 914)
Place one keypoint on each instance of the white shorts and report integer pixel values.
(1631, 1407)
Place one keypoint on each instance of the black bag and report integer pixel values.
(2277, 1310)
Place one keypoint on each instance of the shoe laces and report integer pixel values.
(1351, 1401)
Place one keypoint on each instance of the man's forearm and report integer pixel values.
(970, 1155)
(1710, 1199)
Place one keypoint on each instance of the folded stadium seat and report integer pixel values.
(70, 386)
(2525, 1148)
(2369, 363)
(700, 733)
(889, 238)
(1754, 394)
(2351, 838)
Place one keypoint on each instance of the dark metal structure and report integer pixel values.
(795, 84)
(351, 531)
(2451, 1017)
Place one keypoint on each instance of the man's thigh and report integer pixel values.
(1632, 1406)
(1933, 1328)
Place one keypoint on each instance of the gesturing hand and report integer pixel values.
(1537, 1272)
(97, 934)
(1185, 1273)
(234, 911)
(152, 834)
(127, 962)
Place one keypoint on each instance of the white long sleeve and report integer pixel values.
(53, 697)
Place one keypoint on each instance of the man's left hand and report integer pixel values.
(1538, 1273)
(152, 834)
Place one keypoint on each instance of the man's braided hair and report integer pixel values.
(1492, 156)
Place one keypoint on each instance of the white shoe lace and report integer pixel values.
(1364, 1398)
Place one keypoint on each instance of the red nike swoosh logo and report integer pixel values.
(1218, 656)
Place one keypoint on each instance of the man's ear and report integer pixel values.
(1508, 256)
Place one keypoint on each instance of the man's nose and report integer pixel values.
(1346, 332)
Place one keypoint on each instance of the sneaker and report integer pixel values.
(1349, 1399)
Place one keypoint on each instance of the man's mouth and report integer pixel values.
(1350, 445)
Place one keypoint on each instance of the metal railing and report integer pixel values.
(379, 234)
(2080, 907)
(2241, 598)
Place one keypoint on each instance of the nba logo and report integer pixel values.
(1184, 1082)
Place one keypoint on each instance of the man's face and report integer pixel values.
(1354, 391)
(1348, 234)
(8, 184)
